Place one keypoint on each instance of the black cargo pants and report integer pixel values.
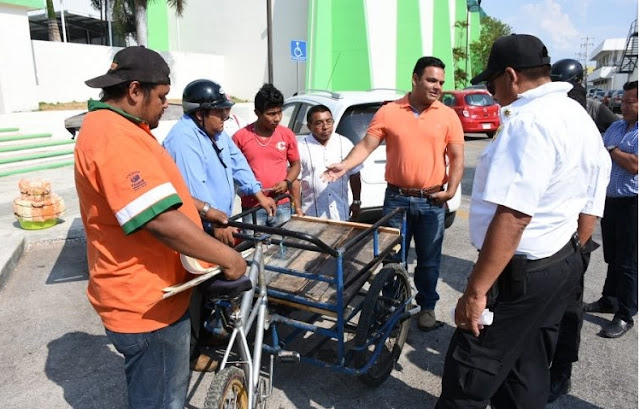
(508, 364)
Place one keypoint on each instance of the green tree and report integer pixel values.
(130, 16)
(491, 29)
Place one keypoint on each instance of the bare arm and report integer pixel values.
(356, 156)
(628, 161)
(292, 175)
(586, 226)
(455, 152)
(356, 186)
(296, 196)
(177, 232)
(500, 244)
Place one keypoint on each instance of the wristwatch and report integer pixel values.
(205, 209)
(610, 147)
(357, 202)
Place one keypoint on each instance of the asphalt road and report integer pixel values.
(55, 354)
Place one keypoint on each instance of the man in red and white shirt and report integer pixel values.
(272, 153)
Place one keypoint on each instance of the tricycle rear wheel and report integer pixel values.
(228, 390)
(389, 291)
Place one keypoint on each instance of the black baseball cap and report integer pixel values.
(135, 63)
(515, 51)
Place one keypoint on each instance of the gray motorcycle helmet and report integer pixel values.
(204, 94)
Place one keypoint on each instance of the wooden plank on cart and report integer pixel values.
(333, 233)
(304, 260)
(353, 269)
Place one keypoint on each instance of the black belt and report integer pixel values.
(571, 247)
(415, 192)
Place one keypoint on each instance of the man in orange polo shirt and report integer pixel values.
(419, 130)
(138, 216)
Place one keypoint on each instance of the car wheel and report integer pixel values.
(490, 134)
(448, 219)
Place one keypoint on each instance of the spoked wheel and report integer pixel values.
(388, 291)
(228, 390)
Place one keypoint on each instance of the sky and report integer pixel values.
(563, 25)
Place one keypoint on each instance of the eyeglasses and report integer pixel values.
(490, 83)
(327, 122)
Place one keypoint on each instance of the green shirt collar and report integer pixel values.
(96, 105)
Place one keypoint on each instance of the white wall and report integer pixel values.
(62, 68)
(238, 30)
(17, 78)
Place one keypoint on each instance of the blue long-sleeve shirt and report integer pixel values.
(202, 168)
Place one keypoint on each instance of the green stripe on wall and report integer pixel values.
(350, 48)
(442, 40)
(319, 44)
(158, 25)
(475, 27)
(409, 41)
(30, 4)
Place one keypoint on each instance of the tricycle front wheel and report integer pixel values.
(228, 390)
(388, 292)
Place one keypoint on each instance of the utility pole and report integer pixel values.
(584, 53)
(269, 44)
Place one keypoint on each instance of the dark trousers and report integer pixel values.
(508, 364)
(620, 245)
(568, 344)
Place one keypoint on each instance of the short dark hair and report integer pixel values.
(119, 91)
(268, 97)
(630, 85)
(424, 62)
(535, 73)
(316, 108)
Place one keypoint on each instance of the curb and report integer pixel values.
(10, 256)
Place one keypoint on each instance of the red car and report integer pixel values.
(476, 108)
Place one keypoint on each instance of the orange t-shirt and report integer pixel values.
(124, 178)
(416, 144)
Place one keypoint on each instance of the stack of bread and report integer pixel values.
(37, 207)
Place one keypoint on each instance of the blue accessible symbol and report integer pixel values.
(298, 50)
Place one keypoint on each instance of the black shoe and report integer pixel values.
(599, 307)
(616, 328)
(560, 386)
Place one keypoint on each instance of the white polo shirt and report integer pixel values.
(319, 198)
(548, 161)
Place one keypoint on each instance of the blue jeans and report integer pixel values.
(425, 224)
(156, 364)
(283, 213)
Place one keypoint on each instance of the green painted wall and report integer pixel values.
(350, 50)
(30, 4)
(158, 25)
(409, 41)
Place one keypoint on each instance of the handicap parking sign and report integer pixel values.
(298, 50)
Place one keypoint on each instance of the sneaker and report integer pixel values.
(204, 363)
(427, 320)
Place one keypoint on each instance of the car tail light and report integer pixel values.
(465, 113)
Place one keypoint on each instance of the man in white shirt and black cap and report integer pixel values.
(545, 169)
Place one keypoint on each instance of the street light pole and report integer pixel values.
(269, 44)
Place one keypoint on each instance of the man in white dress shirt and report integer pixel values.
(320, 148)
(537, 192)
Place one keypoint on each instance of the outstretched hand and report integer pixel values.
(334, 172)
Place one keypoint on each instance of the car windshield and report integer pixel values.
(479, 100)
(356, 119)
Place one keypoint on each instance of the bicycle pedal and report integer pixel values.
(288, 357)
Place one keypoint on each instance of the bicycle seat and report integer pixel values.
(220, 287)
